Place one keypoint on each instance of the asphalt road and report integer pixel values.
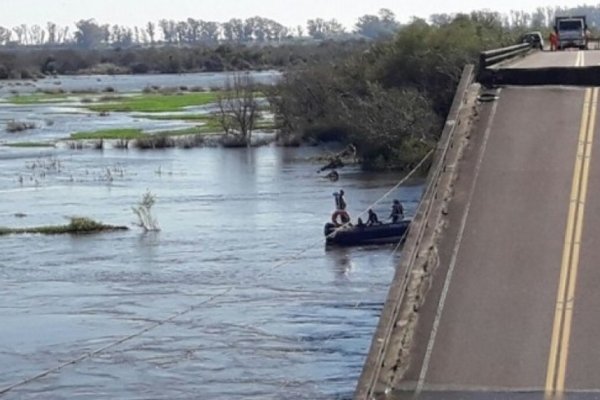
(515, 302)
(566, 58)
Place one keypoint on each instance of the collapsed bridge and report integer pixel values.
(495, 293)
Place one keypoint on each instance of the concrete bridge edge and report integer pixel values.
(387, 357)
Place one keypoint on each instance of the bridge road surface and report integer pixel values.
(514, 311)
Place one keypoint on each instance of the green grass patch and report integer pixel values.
(210, 125)
(186, 117)
(77, 225)
(157, 102)
(195, 130)
(265, 125)
(211, 121)
(108, 134)
(29, 144)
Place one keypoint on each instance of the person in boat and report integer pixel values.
(397, 214)
(373, 220)
(340, 210)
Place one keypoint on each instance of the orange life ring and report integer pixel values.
(342, 215)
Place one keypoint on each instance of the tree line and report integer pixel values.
(90, 34)
(391, 99)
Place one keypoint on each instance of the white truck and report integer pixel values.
(571, 32)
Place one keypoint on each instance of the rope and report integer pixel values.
(210, 299)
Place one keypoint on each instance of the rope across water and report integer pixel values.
(187, 310)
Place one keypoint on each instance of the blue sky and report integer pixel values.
(287, 12)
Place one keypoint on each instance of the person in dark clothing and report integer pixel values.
(373, 220)
(340, 203)
(340, 210)
(397, 212)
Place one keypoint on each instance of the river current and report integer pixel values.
(236, 297)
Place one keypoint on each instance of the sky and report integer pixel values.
(288, 12)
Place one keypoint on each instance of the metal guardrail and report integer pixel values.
(393, 305)
(491, 57)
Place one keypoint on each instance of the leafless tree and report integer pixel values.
(51, 26)
(238, 108)
(151, 29)
(5, 35)
(62, 35)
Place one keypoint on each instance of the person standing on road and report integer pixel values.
(553, 40)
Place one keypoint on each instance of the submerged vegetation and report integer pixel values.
(19, 126)
(143, 211)
(108, 134)
(29, 144)
(35, 98)
(77, 225)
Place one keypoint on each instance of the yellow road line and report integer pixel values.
(580, 59)
(570, 299)
(561, 332)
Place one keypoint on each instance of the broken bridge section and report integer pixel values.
(494, 294)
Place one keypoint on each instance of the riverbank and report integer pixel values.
(78, 114)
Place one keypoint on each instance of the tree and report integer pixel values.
(238, 109)
(193, 30)
(89, 34)
(181, 30)
(321, 29)
(233, 30)
(390, 128)
(209, 31)
(333, 28)
(168, 29)
(151, 29)
(137, 38)
(5, 35)
(441, 19)
(62, 35)
(248, 30)
(37, 35)
(116, 35)
(51, 27)
(228, 34)
(377, 26)
(21, 34)
(315, 28)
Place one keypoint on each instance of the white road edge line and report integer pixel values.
(463, 223)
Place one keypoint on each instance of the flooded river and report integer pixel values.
(236, 297)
